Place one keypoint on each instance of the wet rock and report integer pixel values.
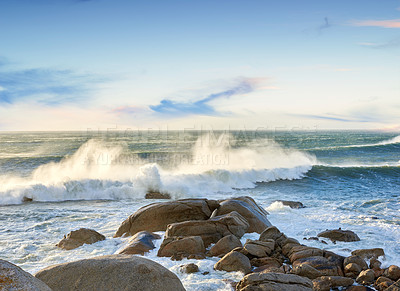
(224, 245)
(13, 277)
(157, 195)
(255, 215)
(357, 260)
(393, 273)
(352, 270)
(267, 261)
(140, 243)
(274, 281)
(308, 271)
(382, 283)
(182, 246)
(325, 283)
(234, 261)
(114, 272)
(256, 248)
(189, 268)
(394, 287)
(156, 216)
(366, 277)
(369, 253)
(212, 230)
(291, 204)
(339, 235)
(77, 238)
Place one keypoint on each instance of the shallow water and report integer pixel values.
(95, 180)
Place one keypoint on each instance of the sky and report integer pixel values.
(180, 64)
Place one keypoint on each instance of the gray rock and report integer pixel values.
(114, 272)
(13, 278)
(140, 243)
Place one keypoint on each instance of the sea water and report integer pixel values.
(55, 182)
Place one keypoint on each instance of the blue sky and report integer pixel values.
(71, 64)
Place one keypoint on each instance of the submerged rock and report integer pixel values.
(156, 216)
(140, 243)
(212, 230)
(77, 238)
(248, 208)
(291, 204)
(13, 277)
(157, 195)
(114, 272)
(340, 235)
(189, 268)
(274, 281)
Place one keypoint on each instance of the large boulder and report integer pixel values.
(179, 247)
(274, 281)
(248, 208)
(212, 230)
(356, 260)
(156, 216)
(234, 261)
(13, 278)
(339, 235)
(113, 272)
(140, 243)
(225, 245)
(77, 238)
(393, 273)
(366, 277)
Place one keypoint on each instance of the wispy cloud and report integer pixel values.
(203, 106)
(50, 87)
(386, 45)
(391, 23)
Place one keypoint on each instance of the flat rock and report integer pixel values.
(140, 243)
(291, 204)
(369, 253)
(212, 230)
(113, 272)
(339, 235)
(224, 245)
(255, 215)
(233, 261)
(156, 216)
(274, 281)
(13, 278)
(77, 238)
(181, 246)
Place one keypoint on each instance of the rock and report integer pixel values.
(383, 279)
(374, 263)
(258, 248)
(369, 253)
(273, 233)
(327, 266)
(156, 216)
(328, 282)
(394, 287)
(308, 271)
(268, 269)
(267, 261)
(189, 268)
(305, 253)
(77, 238)
(113, 272)
(140, 243)
(357, 260)
(339, 235)
(212, 230)
(382, 283)
(291, 204)
(182, 246)
(366, 277)
(157, 195)
(352, 270)
(393, 273)
(234, 261)
(225, 245)
(248, 208)
(359, 288)
(274, 281)
(13, 277)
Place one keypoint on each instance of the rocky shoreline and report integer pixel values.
(201, 228)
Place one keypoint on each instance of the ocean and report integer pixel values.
(55, 182)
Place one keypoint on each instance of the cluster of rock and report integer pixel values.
(200, 228)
